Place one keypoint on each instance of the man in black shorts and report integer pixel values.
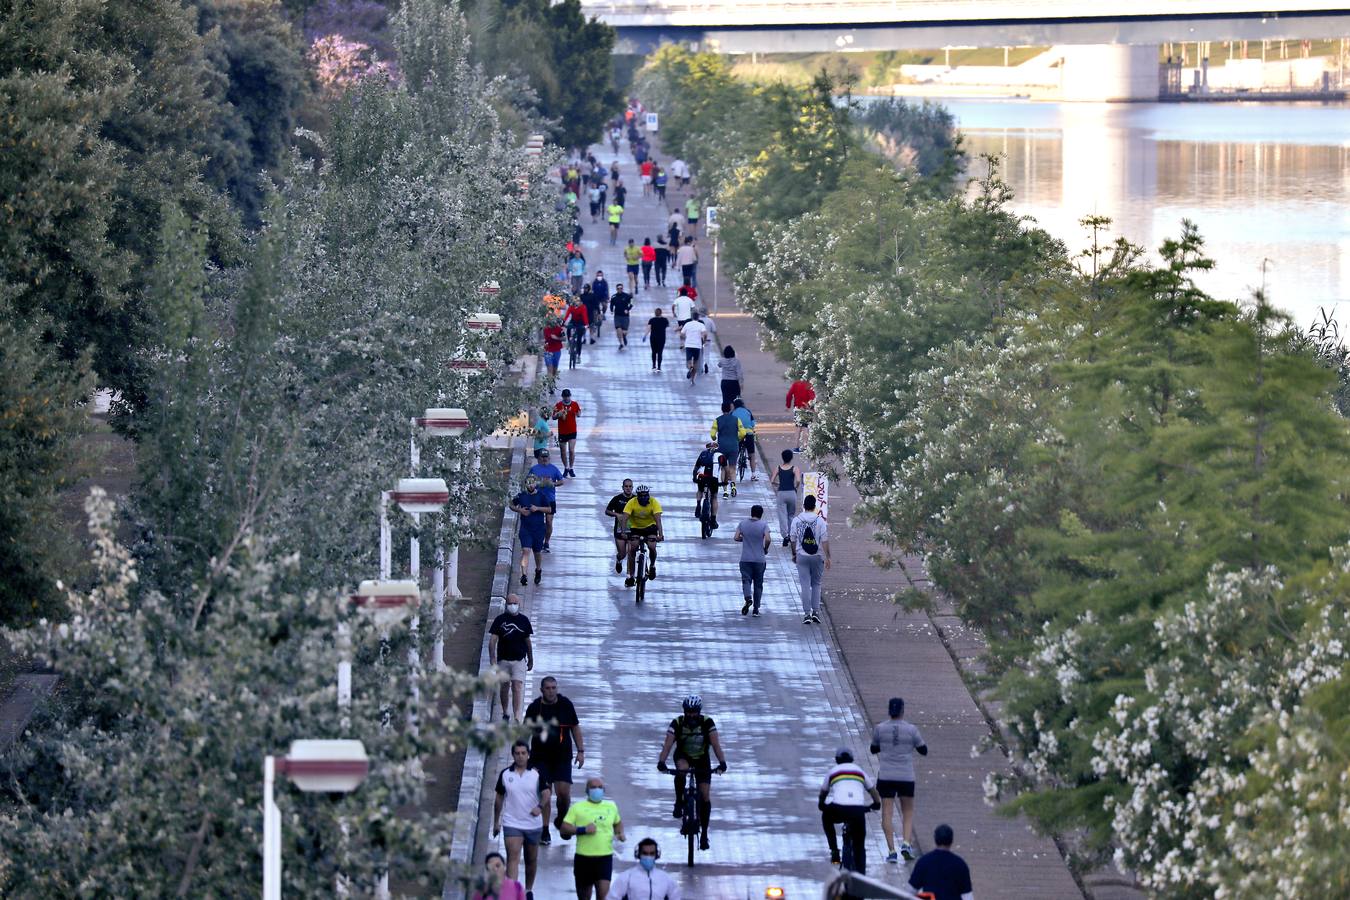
(615, 511)
(705, 475)
(621, 304)
(692, 735)
(551, 747)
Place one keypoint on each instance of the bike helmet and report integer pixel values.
(843, 755)
(693, 703)
(643, 489)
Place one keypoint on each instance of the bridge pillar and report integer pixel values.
(1109, 72)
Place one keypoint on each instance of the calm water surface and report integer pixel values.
(1263, 181)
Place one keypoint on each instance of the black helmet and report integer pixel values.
(843, 755)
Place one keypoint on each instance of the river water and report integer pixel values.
(1263, 181)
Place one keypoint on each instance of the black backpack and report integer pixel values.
(809, 543)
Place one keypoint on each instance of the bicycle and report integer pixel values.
(575, 337)
(689, 825)
(742, 462)
(640, 568)
(704, 511)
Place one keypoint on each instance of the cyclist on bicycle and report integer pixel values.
(742, 412)
(641, 518)
(844, 798)
(692, 735)
(728, 431)
(705, 476)
(576, 320)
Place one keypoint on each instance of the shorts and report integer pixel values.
(552, 771)
(646, 179)
(680, 323)
(693, 220)
(531, 835)
(516, 668)
(702, 767)
(587, 870)
(710, 482)
(727, 456)
(632, 268)
(891, 789)
(564, 438)
(530, 540)
(621, 322)
(552, 507)
(552, 358)
(692, 353)
(749, 443)
(649, 531)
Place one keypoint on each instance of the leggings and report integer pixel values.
(660, 269)
(731, 389)
(658, 348)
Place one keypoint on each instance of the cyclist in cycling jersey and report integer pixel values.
(742, 412)
(576, 320)
(691, 736)
(642, 520)
(705, 476)
(728, 431)
(844, 797)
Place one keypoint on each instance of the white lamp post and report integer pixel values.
(441, 422)
(416, 496)
(326, 766)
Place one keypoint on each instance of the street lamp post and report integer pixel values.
(416, 496)
(327, 766)
(439, 422)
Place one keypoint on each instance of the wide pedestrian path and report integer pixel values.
(776, 688)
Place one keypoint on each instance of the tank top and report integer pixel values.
(787, 480)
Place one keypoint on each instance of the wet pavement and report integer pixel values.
(777, 689)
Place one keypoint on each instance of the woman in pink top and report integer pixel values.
(494, 885)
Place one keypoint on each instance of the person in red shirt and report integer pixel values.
(648, 258)
(565, 412)
(646, 169)
(800, 396)
(576, 319)
(553, 344)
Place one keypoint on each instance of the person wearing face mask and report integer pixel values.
(596, 823)
(645, 881)
(511, 650)
(493, 883)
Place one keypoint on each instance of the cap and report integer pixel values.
(566, 392)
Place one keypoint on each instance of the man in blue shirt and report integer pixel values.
(941, 872)
(549, 476)
(742, 412)
(727, 431)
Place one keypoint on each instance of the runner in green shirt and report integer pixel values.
(691, 215)
(614, 213)
(632, 256)
(596, 823)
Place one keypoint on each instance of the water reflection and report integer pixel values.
(1262, 181)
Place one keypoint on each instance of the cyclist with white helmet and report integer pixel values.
(641, 519)
(846, 794)
(691, 736)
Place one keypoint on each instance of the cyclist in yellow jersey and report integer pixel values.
(641, 518)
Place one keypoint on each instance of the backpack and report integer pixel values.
(809, 544)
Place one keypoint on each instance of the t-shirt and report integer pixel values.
(530, 521)
(818, 527)
(632, 255)
(683, 308)
(593, 194)
(943, 874)
(510, 890)
(848, 785)
(576, 316)
(592, 304)
(694, 333)
(542, 431)
(800, 394)
(692, 740)
(604, 816)
(615, 212)
(552, 741)
(731, 369)
(576, 266)
(545, 471)
(726, 430)
(747, 418)
(520, 794)
(621, 304)
(616, 505)
(646, 167)
(648, 253)
(691, 208)
(753, 532)
(566, 411)
(686, 255)
(513, 635)
(553, 339)
(640, 516)
(896, 740)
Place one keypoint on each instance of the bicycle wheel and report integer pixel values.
(742, 460)
(705, 515)
(640, 589)
(690, 824)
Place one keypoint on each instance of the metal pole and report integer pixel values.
(414, 457)
(715, 243)
(344, 674)
(414, 650)
(271, 834)
(438, 609)
(386, 540)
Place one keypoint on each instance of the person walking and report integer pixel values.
(748, 442)
(614, 215)
(594, 316)
(518, 812)
(530, 506)
(662, 260)
(941, 872)
(511, 650)
(733, 373)
(600, 288)
(597, 824)
(787, 480)
(686, 258)
(845, 796)
(895, 742)
(593, 196)
(542, 432)
(659, 180)
(691, 211)
(648, 260)
(645, 881)
(622, 306)
(632, 258)
(727, 431)
(800, 396)
(494, 884)
(552, 745)
(550, 476)
(565, 411)
(576, 270)
(656, 335)
(811, 553)
(646, 169)
(753, 536)
(553, 347)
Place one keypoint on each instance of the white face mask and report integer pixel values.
(513, 608)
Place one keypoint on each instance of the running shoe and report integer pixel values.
(545, 838)
(806, 619)
(546, 550)
(733, 489)
(725, 493)
(675, 811)
(745, 610)
(893, 858)
(786, 541)
(651, 572)
(834, 857)
(629, 581)
(906, 850)
(703, 841)
(756, 614)
(815, 619)
(618, 566)
(538, 575)
(523, 579)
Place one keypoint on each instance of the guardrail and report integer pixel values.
(847, 885)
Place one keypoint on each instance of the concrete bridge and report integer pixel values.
(1110, 45)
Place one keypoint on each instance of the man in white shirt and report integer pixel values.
(645, 881)
(519, 810)
(687, 258)
(693, 335)
(845, 796)
(683, 309)
(811, 552)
